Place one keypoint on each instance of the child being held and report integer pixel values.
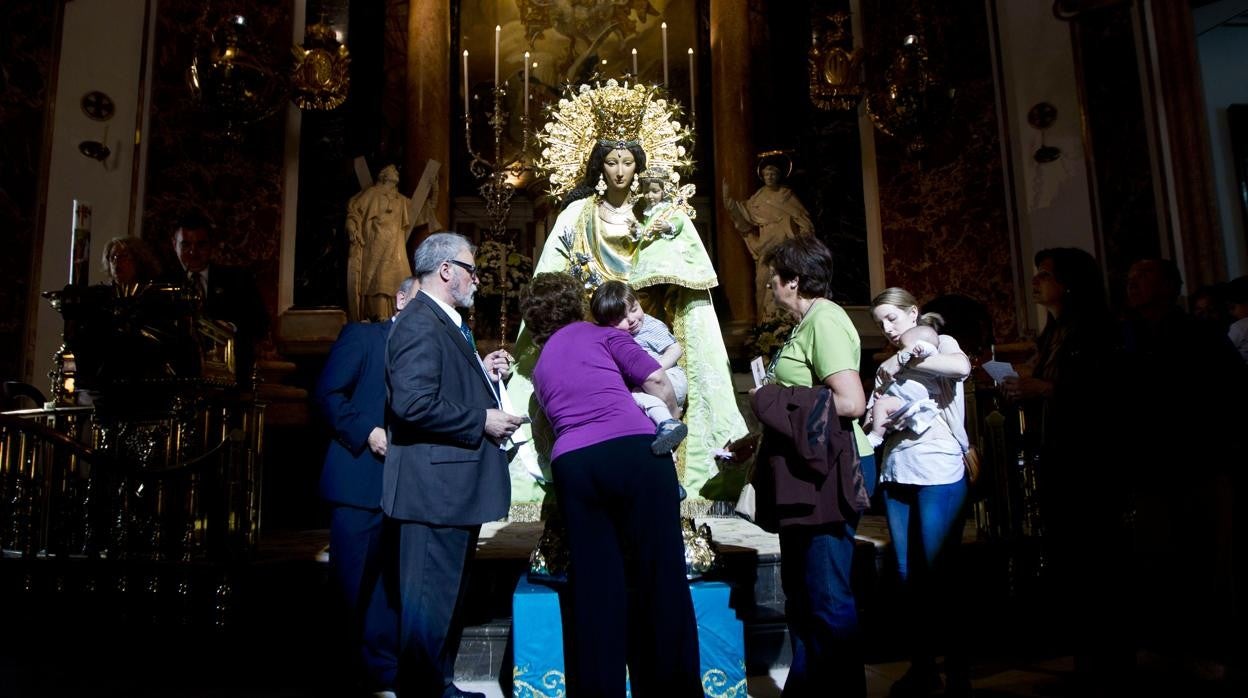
(905, 402)
(652, 191)
(615, 305)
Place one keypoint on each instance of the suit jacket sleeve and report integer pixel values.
(418, 356)
(336, 386)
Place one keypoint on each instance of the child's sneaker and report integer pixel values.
(668, 436)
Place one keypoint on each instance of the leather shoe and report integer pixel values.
(453, 691)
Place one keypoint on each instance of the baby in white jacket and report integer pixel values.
(904, 403)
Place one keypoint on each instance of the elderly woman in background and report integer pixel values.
(814, 499)
(129, 261)
(629, 595)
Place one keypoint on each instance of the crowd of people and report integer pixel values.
(621, 362)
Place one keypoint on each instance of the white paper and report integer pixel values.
(999, 370)
(520, 436)
(759, 370)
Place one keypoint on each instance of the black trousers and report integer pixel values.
(629, 598)
(429, 580)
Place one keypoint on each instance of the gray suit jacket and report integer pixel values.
(440, 468)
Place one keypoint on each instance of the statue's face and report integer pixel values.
(618, 169)
(771, 176)
(654, 192)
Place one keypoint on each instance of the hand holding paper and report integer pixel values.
(999, 370)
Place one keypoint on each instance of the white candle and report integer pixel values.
(80, 244)
(693, 103)
(498, 30)
(663, 26)
(634, 63)
(526, 84)
(466, 89)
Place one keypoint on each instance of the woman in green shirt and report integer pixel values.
(815, 560)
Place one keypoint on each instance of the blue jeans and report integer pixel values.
(869, 473)
(925, 523)
(815, 564)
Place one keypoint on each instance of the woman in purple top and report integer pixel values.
(630, 600)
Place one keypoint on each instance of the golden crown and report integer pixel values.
(613, 114)
(618, 112)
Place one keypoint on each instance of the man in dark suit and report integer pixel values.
(445, 473)
(229, 293)
(351, 393)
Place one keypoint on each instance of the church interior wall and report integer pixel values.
(91, 29)
(1053, 199)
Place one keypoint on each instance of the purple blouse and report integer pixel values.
(582, 380)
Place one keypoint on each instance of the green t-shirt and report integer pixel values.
(823, 343)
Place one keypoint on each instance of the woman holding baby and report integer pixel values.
(918, 411)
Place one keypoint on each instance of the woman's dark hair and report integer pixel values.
(550, 301)
(593, 169)
(1080, 275)
(806, 259)
(1236, 290)
(611, 301)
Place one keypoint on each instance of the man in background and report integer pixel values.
(351, 394)
(229, 293)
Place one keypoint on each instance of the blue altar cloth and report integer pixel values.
(537, 639)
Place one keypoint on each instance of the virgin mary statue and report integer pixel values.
(599, 236)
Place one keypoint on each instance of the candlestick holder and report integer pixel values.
(498, 176)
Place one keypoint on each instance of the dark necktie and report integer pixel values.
(463, 328)
(197, 282)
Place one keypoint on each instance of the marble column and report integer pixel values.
(734, 155)
(429, 96)
(1182, 100)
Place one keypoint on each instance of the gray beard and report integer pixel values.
(462, 300)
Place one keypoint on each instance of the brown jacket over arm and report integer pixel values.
(806, 472)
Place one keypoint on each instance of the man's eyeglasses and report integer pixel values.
(470, 268)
